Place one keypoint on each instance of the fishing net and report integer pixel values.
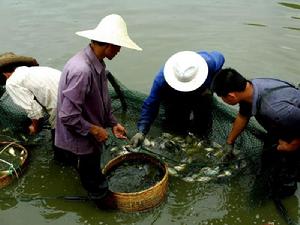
(127, 105)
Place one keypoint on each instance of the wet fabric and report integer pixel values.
(280, 169)
(88, 168)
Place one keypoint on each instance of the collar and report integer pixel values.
(95, 62)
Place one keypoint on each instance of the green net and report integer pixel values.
(127, 105)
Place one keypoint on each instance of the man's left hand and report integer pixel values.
(119, 131)
(288, 146)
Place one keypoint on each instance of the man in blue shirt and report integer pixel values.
(275, 105)
(182, 87)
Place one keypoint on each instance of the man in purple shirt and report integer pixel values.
(84, 107)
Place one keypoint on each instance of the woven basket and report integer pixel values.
(142, 200)
(6, 177)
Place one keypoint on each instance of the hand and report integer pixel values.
(228, 152)
(137, 139)
(34, 127)
(293, 145)
(119, 131)
(100, 134)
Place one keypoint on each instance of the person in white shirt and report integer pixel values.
(32, 87)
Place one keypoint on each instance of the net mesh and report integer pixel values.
(127, 105)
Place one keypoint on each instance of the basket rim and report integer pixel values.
(164, 166)
(20, 167)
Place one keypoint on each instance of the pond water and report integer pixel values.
(258, 38)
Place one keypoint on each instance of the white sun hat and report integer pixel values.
(185, 71)
(111, 29)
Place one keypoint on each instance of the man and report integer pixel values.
(32, 87)
(276, 106)
(84, 106)
(182, 87)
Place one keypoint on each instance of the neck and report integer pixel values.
(98, 50)
(7, 74)
(248, 93)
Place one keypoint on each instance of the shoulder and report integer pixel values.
(18, 75)
(78, 64)
(159, 79)
(213, 55)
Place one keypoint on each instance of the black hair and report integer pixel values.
(10, 69)
(99, 43)
(2, 79)
(228, 80)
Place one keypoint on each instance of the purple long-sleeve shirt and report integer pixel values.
(83, 100)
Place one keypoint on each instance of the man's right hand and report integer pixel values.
(100, 134)
(137, 139)
(228, 153)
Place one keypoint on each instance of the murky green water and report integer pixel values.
(259, 38)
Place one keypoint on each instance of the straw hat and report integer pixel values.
(185, 71)
(111, 29)
(9, 58)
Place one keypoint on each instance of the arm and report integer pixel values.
(34, 126)
(238, 126)
(292, 145)
(151, 105)
(290, 118)
(73, 98)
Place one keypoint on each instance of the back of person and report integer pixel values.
(184, 111)
(41, 81)
(272, 110)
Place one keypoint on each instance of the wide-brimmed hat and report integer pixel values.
(185, 71)
(11, 59)
(111, 29)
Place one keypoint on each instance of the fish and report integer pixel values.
(172, 171)
(203, 179)
(188, 179)
(11, 151)
(180, 168)
(189, 158)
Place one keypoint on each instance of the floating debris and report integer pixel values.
(256, 24)
(290, 5)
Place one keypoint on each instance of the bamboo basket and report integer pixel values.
(7, 176)
(142, 200)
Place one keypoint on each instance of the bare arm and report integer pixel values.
(237, 128)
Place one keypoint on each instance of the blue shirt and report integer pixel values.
(83, 100)
(276, 106)
(150, 108)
